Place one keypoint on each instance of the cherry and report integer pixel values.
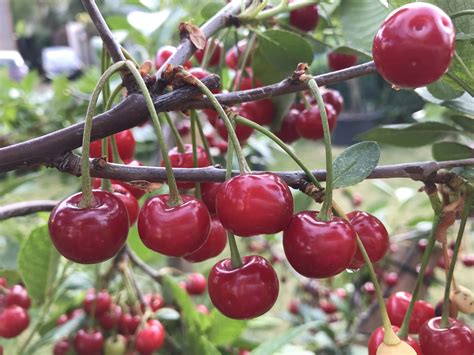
(214, 244)
(128, 323)
(414, 46)
(368, 288)
(319, 249)
(128, 200)
(109, 319)
(248, 81)
(339, 61)
(102, 302)
(294, 306)
(260, 111)
(202, 309)
(19, 296)
(456, 339)
(397, 305)
(3, 282)
(13, 321)
(468, 260)
(422, 244)
(212, 115)
(183, 127)
(208, 194)
(195, 284)
(164, 53)
(215, 57)
(288, 132)
(89, 235)
(335, 99)
(233, 55)
(201, 74)
(155, 301)
(150, 338)
(88, 342)
(244, 292)
(116, 345)
(173, 230)
(327, 306)
(125, 145)
(185, 160)
(134, 190)
(305, 18)
(63, 318)
(309, 124)
(252, 204)
(377, 338)
(453, 309)
(391, 279)
(62, 347)
(373, 235)
(242, 132)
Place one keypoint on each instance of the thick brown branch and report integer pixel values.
(25, 208)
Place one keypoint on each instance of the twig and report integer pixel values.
(25, 208)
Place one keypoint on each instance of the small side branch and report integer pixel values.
(25, 208)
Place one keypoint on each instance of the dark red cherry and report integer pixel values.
(288, 132)
(294, 306)
(414, 46)
(244, 292)
(13, 321)
(319, 249)
(391, 279)
(305, 18)
(373, 235)
(397, 305)
(233, 55)
(88, 342)
(110, 318)
(19, 296)
(201, 74)
(377, 338)
(327, 306)
(242, 132)
(183, 127)
(368, 288)
(457, 338)
(100, 302)
(212, 115)
(339, 61)
(261, 111)
(150, 338)
(173, 230)
(89, 235)
(468, 260)
(164, 53)
(422, 244)
(335, 99)
(128, 323)
(214, 244)
(134, 190)
(252, 204)
(125, 145)
(247, 82)
(309, 124)
(195, 284)
(128, 200)
(154, 301)
(62, 347)
(185, 160)
(215, 57)
(208, 194)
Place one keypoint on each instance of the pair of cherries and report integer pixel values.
(14, 305)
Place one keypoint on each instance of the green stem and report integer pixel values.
(204, 141)
(128, 56)
(465, 214)
(284, 6)
(115, 152)
(324, 215)
(87, 198)
(105, 63)
(197, 191)
(174, 130)
(242, 61)
(112, 97)
(460, 82)
(463, 65)
(462, 13)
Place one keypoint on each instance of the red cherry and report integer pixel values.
(185, 160)
(242, 132)
(101, 302)
(155, 301)
(373, 235)
(3, 282)
(248, 81)
(63, 318)
(294, 306)
(212, 115)
(397, 305)
(150, 338)
(88, 342)
(19, 296)
(183, 127)
(196, 284)
(244, 352)
(125, 145)
(327, 306)
(368, 288)
(288, 132)
(422, 244)
(128, 200)
(164, 53)
(215, 57)
(201, 74)
(457, 339)
(110, 318)
(244, 292)
(13, 321)
(261, 111)
(309, 124)
(377, 338)
(414, 46)
(468, 260)
(128, 323)
(319, 249)
(233, 55)
(62, 347)
(173, 230)
(202, 309)
(252, 204)
(214, 244)
(391, 279)
(134, 190)
(335, 99)
(339, 61)
(305, 18)
(208, 194)
(89, 235)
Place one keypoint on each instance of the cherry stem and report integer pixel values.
(284, 6)
(450, 276)
(87, 199)
(463, 65)
(174, 198)
(174, 130)
(118, 89)
(435, 203)
(325, 213)
(243, 61)
(246, 122)
(105, 63)
(208, 52)
(390, 337)
(115, 152)
(462, 13)
(197, 191)
(204, 141)
(243, 166)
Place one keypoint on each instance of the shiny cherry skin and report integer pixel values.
(309, 124)
(150, 338)
(164, 53)
(185, 160)
(397, 305)
(89, 235)
(252, 204)
(174, 230)
(244, 292)
(195, 284)
(232, 56)
(414, 46)
(208, 195)
(263, 111)
(288, 132)
(242, 132)
(319, 249)
(13, 321)
(125, 145)
(214, 244)
(19, 296)
(339, 61)
(62, 347)
(215, 57)
(335, 99)
(128, 323)
(305, 18)
(110, 318)
(373, 235)
(376, 339)
(102, 302)
(457, 339)
(154, 301)
(128, 200)
(88, 342)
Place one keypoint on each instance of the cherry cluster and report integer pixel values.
(14, 305)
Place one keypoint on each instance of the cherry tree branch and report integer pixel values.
(25, 208)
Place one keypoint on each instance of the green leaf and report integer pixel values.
(393, 4)
(443, 90)
(465, 122)
(137, 246)
(355, 163)
(224, 330)
(364, 55)
(210, 9)
(464, 104)
(38, 263)
(410, 135)
(451, 151)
